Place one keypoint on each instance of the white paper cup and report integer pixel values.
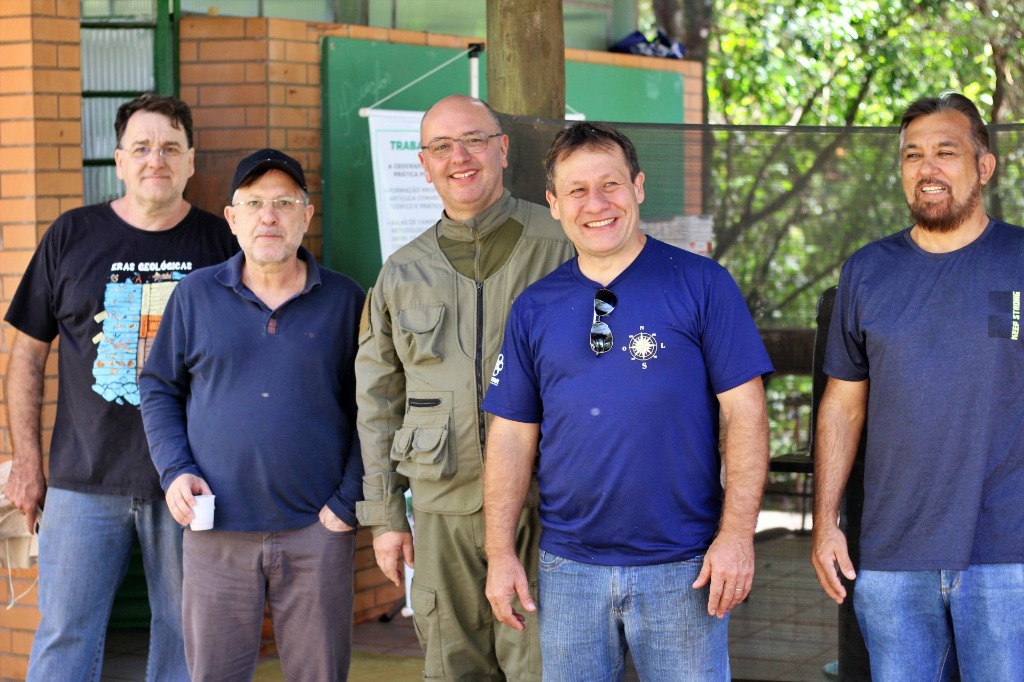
(203, 511)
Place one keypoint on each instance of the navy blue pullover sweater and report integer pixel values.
(260, 403)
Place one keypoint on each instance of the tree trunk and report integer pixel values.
(526, 57)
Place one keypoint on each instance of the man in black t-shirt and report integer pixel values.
(99, 280)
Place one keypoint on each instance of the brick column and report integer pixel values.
(40, 177)
(223, 63)
(252, 83)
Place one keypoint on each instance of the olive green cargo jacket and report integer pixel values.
(428, 342)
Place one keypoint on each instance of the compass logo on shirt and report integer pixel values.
(643, 346)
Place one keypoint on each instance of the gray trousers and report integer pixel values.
(306, 577)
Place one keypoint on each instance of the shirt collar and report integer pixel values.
(230, 273)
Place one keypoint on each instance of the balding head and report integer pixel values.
(462, 100)
(467, 182)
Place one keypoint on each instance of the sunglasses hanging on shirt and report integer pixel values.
(600, 333)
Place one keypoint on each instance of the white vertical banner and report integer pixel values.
(406, 203)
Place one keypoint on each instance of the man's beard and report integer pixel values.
(948, 216)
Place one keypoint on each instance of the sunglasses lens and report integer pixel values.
(604, 302)
(600, 338)
(600, 333)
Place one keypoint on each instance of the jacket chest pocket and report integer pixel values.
(420, 330)
(421, 448)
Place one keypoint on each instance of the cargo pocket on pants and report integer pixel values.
(427, 621)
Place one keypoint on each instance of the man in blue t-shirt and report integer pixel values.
(925, 346)
(619, 364)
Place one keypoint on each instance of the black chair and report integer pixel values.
(802, 461)
(853, 654)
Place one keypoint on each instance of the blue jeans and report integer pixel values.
(85, 544)
(909, 619)
(590, 614)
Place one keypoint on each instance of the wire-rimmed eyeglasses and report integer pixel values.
(600, 333)
(285, 205)
(443, 147)
(143, 152)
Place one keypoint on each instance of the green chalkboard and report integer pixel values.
(358, 73)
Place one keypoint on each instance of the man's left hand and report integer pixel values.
(729, 566)
(505, 579)
(332, 522)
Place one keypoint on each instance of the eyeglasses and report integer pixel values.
(443, 147)
(600, 333)
(283, 206)
(141, 153)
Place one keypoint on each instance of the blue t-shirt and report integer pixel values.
(629, 469)
(938, 337)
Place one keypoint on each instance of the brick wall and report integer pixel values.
(40, 177)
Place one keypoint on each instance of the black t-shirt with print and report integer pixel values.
(101, 285)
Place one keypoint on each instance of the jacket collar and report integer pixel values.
(487, 220)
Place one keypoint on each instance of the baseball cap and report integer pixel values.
(264, 160)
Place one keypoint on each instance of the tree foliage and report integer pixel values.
(850, 62)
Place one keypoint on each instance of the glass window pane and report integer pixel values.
(100, 183)
(98, 139)
(586, 29)
(119, 9)
(224, 8)
(461, 19)
(117, 59)
(303, 10)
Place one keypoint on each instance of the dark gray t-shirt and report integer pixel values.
(938, 337)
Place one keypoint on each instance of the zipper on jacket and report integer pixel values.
(479, 362)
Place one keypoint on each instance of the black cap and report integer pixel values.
(264, 160)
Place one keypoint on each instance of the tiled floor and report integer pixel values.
(786, 630)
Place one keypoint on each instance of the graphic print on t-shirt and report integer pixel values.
(1004, 315)
(643, 346)
(134, 299)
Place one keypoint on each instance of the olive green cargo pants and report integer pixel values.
(454, 622)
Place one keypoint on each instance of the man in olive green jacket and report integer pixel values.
(429, 340)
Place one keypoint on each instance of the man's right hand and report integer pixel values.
(393, 549)
(181, 496)
(828, 548)
(26, 489)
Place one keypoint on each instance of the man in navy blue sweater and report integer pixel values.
(249, 395)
